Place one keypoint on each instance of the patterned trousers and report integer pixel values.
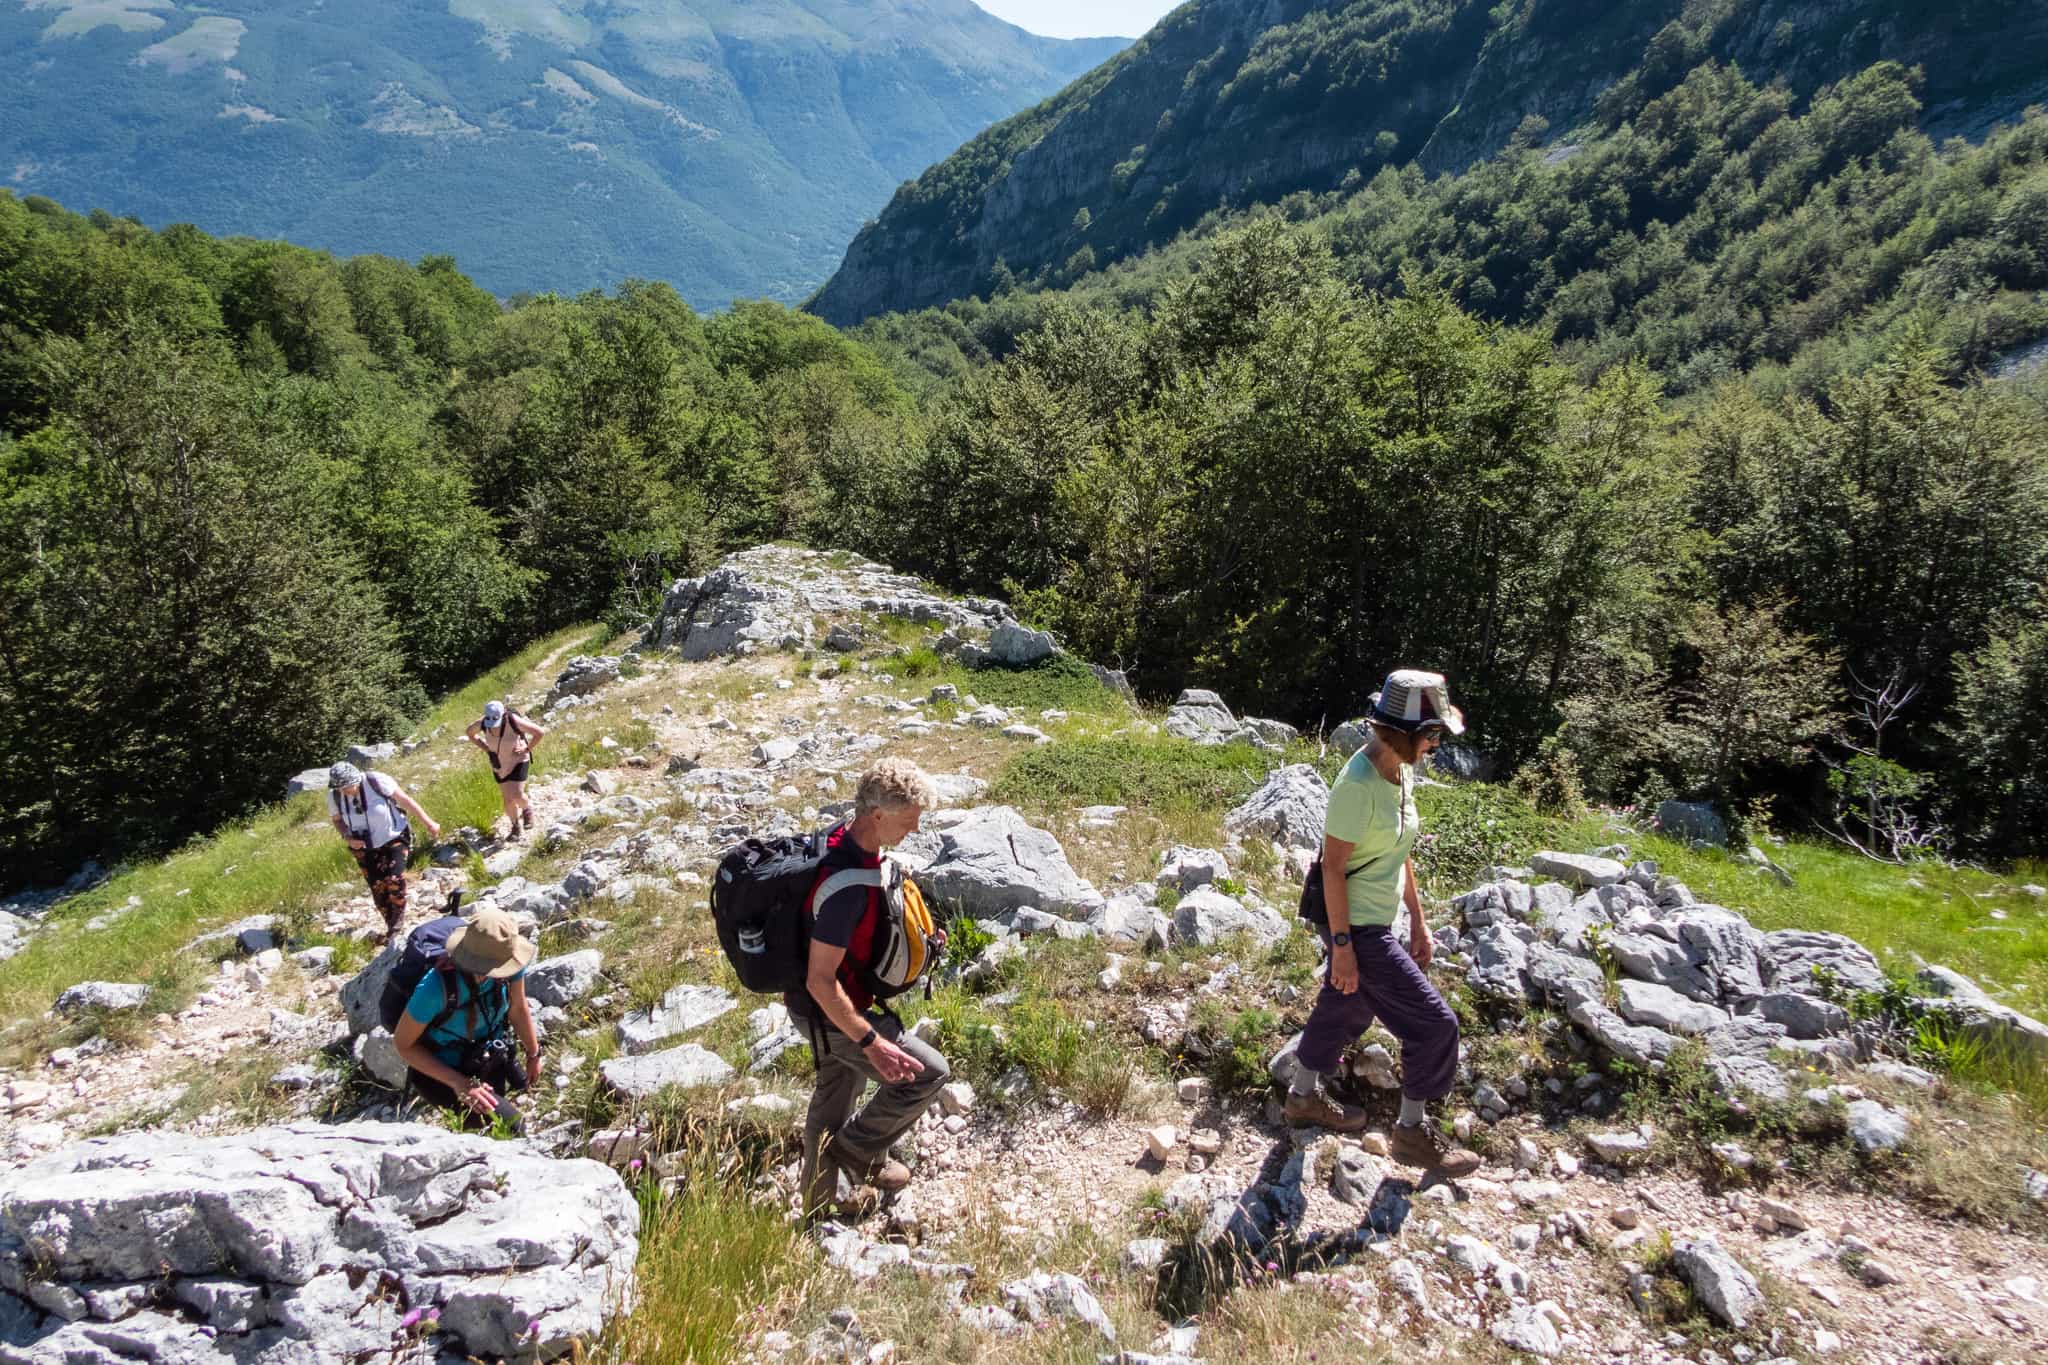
(384, 870)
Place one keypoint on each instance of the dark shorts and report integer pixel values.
(518, 774)
(506, 1078)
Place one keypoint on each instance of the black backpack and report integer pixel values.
(760, 902)
(426, 949)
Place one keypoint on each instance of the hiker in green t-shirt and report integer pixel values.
(1368, 888)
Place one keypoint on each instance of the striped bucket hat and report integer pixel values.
(1412, 700)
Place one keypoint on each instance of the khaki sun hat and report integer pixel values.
(490, 945)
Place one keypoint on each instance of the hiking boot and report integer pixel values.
(1322, 1111)
(1424, 1144)
(885, 1175)
(861, 1202)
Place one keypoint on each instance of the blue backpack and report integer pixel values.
(426, 950)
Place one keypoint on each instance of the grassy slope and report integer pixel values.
(279, 861)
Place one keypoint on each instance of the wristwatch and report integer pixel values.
(864, 1042)
(1340, 940)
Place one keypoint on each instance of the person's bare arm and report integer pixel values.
(1337, 910)
(1420, 946)
(412, 808)
(413, 1050)
(822, 980)
(523, 1029)
(534, 733)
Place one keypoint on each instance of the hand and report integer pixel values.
(358, 844)
(433, 829)
(892, 1062)
(533, 1069)
(1421, 946)
(481, 1098)
(1343, 970)
(938, 939)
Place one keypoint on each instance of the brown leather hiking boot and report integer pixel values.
(1322, 1111)
(885, 1175)
(1423, 1144)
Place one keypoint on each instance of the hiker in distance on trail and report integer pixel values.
(370, 812)
(454, 1002)
(509, 739)
(1353, 896)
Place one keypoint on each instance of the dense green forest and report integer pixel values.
(254, 500)
(1279, 482)
(1675, 453)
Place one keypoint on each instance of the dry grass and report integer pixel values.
(1967, 1152)
(1276, 1322)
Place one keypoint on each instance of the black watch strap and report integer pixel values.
(1341, 939)
(866, 1039)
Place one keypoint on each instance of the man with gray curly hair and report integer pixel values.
(852, 1041)
(897, 783)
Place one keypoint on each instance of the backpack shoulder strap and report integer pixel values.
(832, 883)
(450, 1001)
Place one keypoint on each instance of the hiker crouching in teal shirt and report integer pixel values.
(459, 1053)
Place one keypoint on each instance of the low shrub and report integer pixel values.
(1470, 826)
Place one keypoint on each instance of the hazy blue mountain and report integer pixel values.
(1235, 102)
(730, 148)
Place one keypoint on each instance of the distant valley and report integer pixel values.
(549, 144)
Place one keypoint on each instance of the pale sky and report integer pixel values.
(1080, 18)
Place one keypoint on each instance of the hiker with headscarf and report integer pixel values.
(510, 739)
(1368, 887)
(370, 811)
(456, 1036)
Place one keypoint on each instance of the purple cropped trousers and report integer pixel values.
(1392, 989)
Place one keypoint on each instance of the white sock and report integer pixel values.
(1412, 1111)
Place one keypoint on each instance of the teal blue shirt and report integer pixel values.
(486, 1012)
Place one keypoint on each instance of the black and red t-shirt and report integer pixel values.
(847, 919)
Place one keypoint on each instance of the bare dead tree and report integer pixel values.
(1893, 831)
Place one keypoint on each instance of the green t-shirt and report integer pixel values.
(1378, 819)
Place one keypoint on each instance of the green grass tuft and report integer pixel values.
(711, 1258)
(1152, 773)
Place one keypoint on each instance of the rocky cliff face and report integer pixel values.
(1244, 101)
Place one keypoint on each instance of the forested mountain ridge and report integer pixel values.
(563, 145)
(1227, 103)
(1718, 230)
